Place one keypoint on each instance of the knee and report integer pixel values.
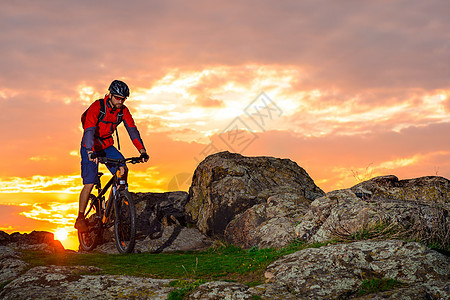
(88, 186)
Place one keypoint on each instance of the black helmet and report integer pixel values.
(119, 88)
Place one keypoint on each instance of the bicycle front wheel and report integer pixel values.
(89, 239)
(125, 222)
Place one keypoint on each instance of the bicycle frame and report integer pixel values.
(106, 213)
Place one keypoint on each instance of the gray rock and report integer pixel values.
(416, 209)
(11, 265)
(332, 272)
(4, 238)
(337, 271)
(276, 233)
(227, 184)
(426, 189)
(241, 231)
(436, 290)
(221, 290)
(271, 224)
(35, 240)
(154, 211)
(8, 252)
(229, 290)
(56, 282)
(176, 238)
(173, 238)
(272, 291)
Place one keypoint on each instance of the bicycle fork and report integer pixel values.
(109, 205)
(113, 195)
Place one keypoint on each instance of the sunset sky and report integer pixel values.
(347, 89)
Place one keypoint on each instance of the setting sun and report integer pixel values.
(61, 234)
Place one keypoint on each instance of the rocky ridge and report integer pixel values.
(268, 202)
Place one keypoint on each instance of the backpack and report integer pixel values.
(101, 116)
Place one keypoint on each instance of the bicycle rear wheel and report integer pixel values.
(89, 240)
(125, 222)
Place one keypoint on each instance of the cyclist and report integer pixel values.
(97, 139)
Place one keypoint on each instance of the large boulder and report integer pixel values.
(154, 211)
(270, 224)
(11, 264)
(429, 189)
(382, 207)
(338, 271)
(35, 240)
(227, 184)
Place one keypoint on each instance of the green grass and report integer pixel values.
(191, 269)
(384, 230)
(188, 269)
(222, 263)
(376, 285)
(378, 230)
(184, 287)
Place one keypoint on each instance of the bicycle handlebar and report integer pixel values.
(106, 160)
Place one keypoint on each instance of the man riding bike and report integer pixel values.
(99, 122)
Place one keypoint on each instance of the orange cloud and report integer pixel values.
(13, 220)
(56, 213)
(333, 160)
(209, 102)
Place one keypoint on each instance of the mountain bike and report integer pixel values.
(118, 211)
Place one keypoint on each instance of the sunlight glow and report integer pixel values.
(179, 99)
(8, 229)
(56, 213)
(398, 163)
(61, 234)
(41, 184)
(8, 93)
(207, 100)
(42, 158)
(148, 180)
(87, 93)
(434, 104)
(345, 177)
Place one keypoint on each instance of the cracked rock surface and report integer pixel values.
(61, 282)
(337, 271)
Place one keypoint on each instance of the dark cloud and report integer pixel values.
(353, 44)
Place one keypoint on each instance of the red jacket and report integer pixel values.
(98, 134)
